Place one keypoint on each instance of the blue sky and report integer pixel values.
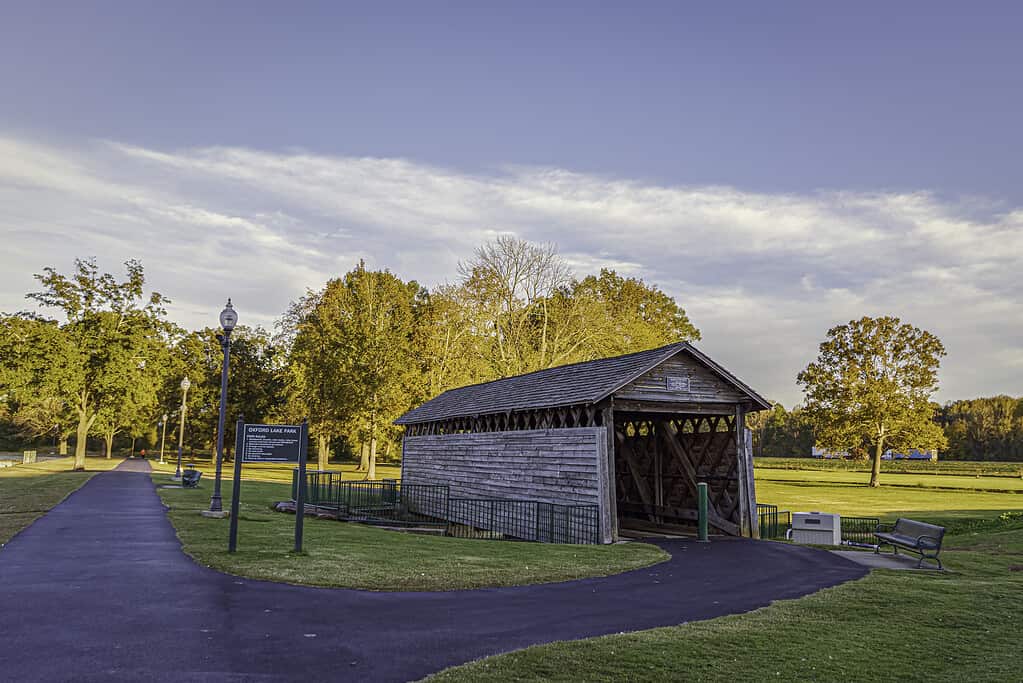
(778, 167)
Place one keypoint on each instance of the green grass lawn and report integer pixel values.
(948, 481)
(964, 622)
(29, 491)
(357, 556)
(953, 467)
(273, 472)
(917, 495)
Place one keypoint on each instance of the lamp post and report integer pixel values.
(185, 384)
(163, 436)
(228, 320)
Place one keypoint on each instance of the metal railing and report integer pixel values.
(392, 502)
(773, 523)
(375, 502)
(859, 529)
(523, 520)
(321, 487)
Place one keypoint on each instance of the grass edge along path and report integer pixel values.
(967, 619)
(348, 555)
(27, 492)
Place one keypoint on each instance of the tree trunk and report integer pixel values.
(81, 434)
(108, 439)
(875, 471)
(63, 445)
(323, 450)
(363, 457)
(371, 473)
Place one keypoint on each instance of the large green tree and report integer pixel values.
(31, 351)
(354, 363)
(871, 384)
(517, 308)
(255, 383)
(631, 315)
(109, 328)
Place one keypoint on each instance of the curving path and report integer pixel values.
(99, 590)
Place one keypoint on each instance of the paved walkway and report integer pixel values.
(99, 590)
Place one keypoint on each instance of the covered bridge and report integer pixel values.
(630, 435)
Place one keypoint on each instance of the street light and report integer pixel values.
(228, 320)
(163, 437)
(185, 384)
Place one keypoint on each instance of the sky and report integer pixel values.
(778, 168)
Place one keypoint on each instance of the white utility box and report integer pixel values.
(819, 528)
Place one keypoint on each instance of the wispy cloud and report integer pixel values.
(763, 275)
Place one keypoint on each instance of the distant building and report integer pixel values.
(818, 452)
(911, 454)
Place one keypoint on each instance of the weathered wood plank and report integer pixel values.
(548, 465)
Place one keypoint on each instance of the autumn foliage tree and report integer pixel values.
(871, 385)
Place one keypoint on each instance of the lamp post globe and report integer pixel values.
(228, 321)
(228, 318)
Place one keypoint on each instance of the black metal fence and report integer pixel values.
(859, 529)
(378, 502)
(394, 503)
(773, 523)
(321, 487)
(523, 520)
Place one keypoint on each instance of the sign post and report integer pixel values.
(268, 443)
(300, 495)
(239, 449)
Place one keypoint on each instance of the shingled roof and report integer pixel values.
(575, 384)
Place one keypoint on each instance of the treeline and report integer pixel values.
(976, 429)
(350, 357)
(983, 428)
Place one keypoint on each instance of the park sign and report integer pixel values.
(271, 443)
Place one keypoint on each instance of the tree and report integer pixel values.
(29, 349)
(871, 384)
(984, 428)
(517, 309)
(109, 324)
(255, 385)
(632, 315)
(316, 361)
(354, 364)
(378, 333)
(509, 286)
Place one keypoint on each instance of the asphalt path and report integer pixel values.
(99, 590)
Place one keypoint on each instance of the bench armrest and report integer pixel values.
(928, 542)
(883, 527)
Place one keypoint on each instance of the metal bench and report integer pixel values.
(917, 537)
(190, 478)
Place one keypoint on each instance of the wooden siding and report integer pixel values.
(562, 466)
(704, 384)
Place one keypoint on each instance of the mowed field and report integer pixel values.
(273, 472)
(926, 495)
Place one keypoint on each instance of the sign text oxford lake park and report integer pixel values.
(271, 443)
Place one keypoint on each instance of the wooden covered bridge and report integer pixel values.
(631, 435)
